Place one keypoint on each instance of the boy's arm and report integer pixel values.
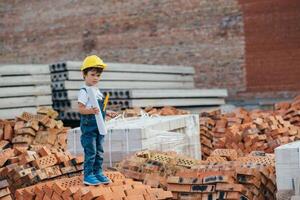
(86, 111)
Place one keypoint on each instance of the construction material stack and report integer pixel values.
(34, 130)
(224, 175)
(179, 133)
(72, 188)
(23, 88)
(247, 131)
(132, 85)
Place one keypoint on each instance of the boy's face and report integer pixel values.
(92, 77)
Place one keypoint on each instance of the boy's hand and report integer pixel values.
(111, 114)
(94, 111)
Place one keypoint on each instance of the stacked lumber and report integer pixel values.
(29, 130)
(23, 88)
(224, 175)
(72, 188)
(132, 85)
(290, 111)
(245, 131)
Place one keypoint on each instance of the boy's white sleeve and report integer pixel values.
(82, 97)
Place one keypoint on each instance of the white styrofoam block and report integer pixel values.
(287, 156)
(165, 133)
(287, 164)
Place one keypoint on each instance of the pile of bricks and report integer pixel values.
(167, 110)
(153, 167)
(30, 130)
(245, 131)
(290, 111)
(5, 193)
(224, 175)
(28, 167)
(72, 188)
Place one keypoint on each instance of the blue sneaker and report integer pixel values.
(91, 180)
(102, 178)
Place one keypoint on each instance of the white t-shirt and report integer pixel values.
(84, 98)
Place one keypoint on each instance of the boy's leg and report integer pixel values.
(98, 170)
(99, 154)
(88, 142)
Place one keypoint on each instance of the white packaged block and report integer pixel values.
(164, 133)
(287, 165)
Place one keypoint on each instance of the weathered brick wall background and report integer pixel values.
(207, 34)
(272, 38)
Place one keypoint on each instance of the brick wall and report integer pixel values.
(203, 33)
(272, 47)
(206, 34)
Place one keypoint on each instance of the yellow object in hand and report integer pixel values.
(105, 101)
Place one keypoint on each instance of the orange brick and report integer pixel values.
(38, 190)
(119, 190)
(80, 193)
(179, 188)
(8, 132)
(45, 161)
(70, 192)
(93, 193)
(44, 151)
(28, 193)
(8, 197)
(135, 197)
(46, 197)
(56, 196)
(48, 189)
(230, 187)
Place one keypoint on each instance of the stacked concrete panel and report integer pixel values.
(23, 88)
(132, 85)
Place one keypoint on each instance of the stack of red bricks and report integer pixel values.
(246, 131)
(167, 110)
(30, 130)
(121, 188)
(223, 175)
(153, 167)
(290, 111)
(22, 168)
(5, 193)
(250, 177)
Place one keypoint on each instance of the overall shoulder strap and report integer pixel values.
(83, 89)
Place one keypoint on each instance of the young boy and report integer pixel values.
(91, 139)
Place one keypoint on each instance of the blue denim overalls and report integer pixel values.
(92, 142)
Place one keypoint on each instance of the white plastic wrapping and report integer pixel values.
(129, 135)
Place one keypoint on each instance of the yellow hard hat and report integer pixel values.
(92, 61)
